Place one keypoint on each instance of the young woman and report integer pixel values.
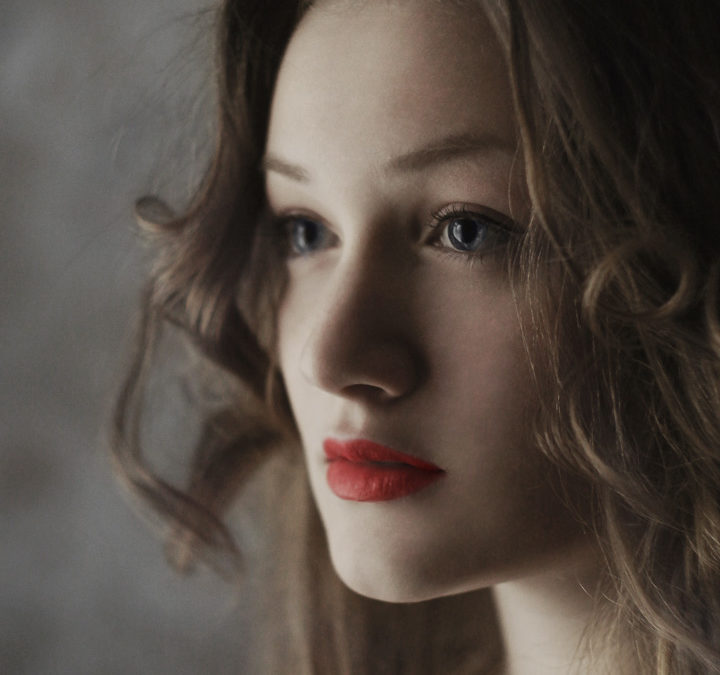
(461, 259)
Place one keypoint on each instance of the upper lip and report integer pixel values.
(361, 450)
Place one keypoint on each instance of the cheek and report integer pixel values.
(294, 324)
(493, 394)
(479, 359)
(484, 406)
(290, 332)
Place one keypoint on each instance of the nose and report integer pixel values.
(362, 343)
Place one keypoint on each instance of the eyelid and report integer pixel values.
(284, 215)
(463, 209)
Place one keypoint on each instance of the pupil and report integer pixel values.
(306, 235)
(468, 231)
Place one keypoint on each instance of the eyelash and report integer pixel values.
(500, 229)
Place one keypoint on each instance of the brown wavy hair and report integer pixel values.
(617, 278)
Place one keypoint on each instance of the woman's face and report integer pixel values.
(392, 166)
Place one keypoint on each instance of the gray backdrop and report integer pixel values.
(96, 101)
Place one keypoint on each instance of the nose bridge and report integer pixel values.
(367, 291)
(360, 335)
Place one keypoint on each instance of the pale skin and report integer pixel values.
(399, 327)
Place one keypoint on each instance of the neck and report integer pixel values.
(545, 621)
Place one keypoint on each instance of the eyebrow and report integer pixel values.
(273, 163)
(436, 152)
(448, 149)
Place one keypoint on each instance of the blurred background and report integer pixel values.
(100, 102)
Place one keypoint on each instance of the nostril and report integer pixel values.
(369, 394)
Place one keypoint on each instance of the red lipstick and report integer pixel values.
(364, 471)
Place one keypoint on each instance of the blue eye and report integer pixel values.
(466, 233)
(306, 236)
(464, 230)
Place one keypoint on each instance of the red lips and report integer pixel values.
(363, 471)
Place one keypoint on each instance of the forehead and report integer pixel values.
(392, 73)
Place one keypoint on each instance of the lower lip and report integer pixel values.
(375, 481)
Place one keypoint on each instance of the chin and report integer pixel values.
(387, 579)
(388, 589)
